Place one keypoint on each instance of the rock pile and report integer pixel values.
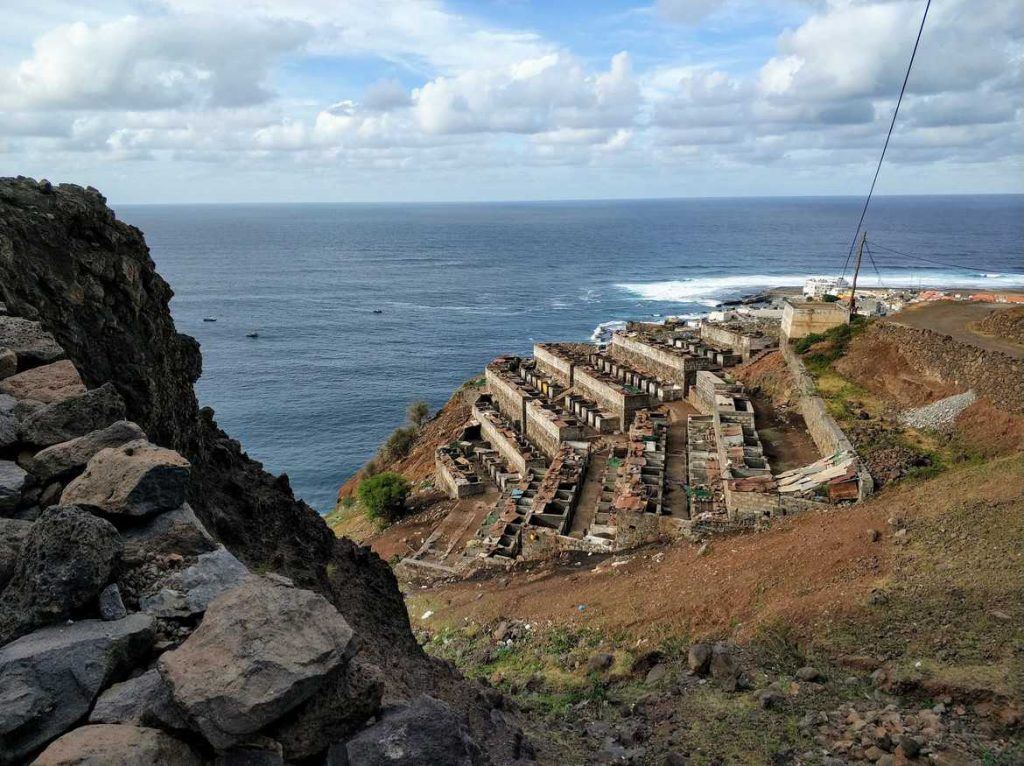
(129, 635)
(940, 415)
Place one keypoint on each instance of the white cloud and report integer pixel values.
(137, 64)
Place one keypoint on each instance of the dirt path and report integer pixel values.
(675, 462)
(587, 504)
(957, 319)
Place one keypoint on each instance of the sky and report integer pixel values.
(458, 100)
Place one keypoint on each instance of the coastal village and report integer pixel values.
(647, 435)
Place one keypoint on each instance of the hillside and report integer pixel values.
(887, 632)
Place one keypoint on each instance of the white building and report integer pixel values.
(816, 287)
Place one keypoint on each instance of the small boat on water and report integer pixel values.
(209, 319)
(253, 334)
(378, 311)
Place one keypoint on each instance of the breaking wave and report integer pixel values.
(708, 291)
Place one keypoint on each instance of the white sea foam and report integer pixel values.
(707, 291)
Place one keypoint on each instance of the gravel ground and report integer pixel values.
(941, 414)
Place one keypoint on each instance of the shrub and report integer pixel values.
(419, 413)
(383, 496)
(399, 444)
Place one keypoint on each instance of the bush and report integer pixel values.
(419, 413)
(399, 444)
(383, 496)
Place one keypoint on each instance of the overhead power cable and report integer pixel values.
(888, 136)
(925, 260)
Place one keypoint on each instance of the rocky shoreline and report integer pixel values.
(162, 598)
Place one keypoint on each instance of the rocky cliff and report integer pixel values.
(219, 618)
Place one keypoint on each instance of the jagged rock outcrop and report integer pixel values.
(241, 668)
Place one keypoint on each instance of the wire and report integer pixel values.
(888, 136)
(926, 260)
(873, 264)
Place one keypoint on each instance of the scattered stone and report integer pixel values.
(49, 679)
(135, 479)
(144, 701)
(342, 706)
(12, 482)
(657, 673)
(940, 415)
(425, 731)
(676, 758)
(62, 462)
(106, 744)
(877, 598)
(279, 579)
(699, 659)
(901, 536)
(190, 591)
(501, 631)
(259, 652)
(874, 535)
(808, 673)
(66, 560)
(724, 665)
(600, 661)
(177, 531)
(74, 417)
(31, 344)
(909, 747)
(111, 605)
(47, 384)
(770, 698)
(50, 495)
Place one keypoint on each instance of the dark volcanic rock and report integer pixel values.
(73, 417)
(61, 462)
(107, 744)
(65, 561)
(135, 479)
(8, 421)
(349, 698)
(425, 731)
(177, 531)
(49, 679)
(31, 344)
(66, 261)
(260, 651)
(190, 591)
(12, 537)
(144, 700)
(12, 482)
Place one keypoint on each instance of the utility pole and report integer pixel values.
(856, 271)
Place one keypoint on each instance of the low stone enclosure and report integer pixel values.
(605, 448)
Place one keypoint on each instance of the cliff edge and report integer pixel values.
(84, 285)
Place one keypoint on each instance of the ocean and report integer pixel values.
(327, 379)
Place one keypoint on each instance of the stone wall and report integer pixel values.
(742, 343)
(991, 374)
(828, 437)
(609, 397)
(510, 399)
(559, 368)
(547, 432)
(806, 318)
(661, 362)
(505, 446)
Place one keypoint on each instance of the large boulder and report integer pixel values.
(144, 701)
(260, 652)
(189, 591)
(65, 561)
(50, 383)
(135, 479)
(31, 344)
(8, 421)
(49, 679)
(347, 700)
(12, 482)
(109, 744)
(70, 418)
(63, 461)
(424, 731)
(177, 531)
(12, 537)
